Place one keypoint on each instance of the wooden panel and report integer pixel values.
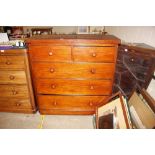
(14, 91)
(12, 77)
(81, 39)
(74, 70)
(8, 103)
(69, 102)
(13, 52)
(50, 53)
(11, 62)
(66, 112)
(80, 87)
(94, 54)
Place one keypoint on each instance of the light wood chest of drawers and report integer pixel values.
(16, 94)
(71, 76)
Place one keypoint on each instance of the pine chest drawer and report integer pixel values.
(12, 62)
(16, 93)
(13, 77)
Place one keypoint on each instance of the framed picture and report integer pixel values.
(83, 29)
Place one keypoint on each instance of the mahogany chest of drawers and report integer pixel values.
(16, 94)
(71, 76)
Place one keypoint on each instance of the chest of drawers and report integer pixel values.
(16, 94)
(71, 76)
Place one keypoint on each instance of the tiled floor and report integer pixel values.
(36, 121)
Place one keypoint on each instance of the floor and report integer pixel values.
(37, 121)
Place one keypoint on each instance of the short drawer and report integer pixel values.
(14, 91)
(74, 70)
(74, 87)
(12, 62)
(50, 53)
(69, 102)
(14, 103)
(94, 54)
(13, 52)
(12, 77)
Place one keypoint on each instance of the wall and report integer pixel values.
(143, 34)
(65, 29)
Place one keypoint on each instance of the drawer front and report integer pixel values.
(74, 70)
(13, 52)
(14, 91)
(15, 103)
(50, 53)
(12, 77)
(12, 62)
(94, 54)
(77, 87)
(69, 102)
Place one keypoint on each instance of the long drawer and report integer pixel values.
(74, 87)
(69, 102)
(50, 53)
(94, 54)
(74, 70)
(13, 77)
(14, 91)
(12, 62)
(7, 103)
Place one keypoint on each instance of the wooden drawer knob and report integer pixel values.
(126, 50)
(18, 104)
(8, 63)
(53, 86)
(91, 87)
(12, 77)
(52, 70)
(93, 54)
(132, 59)
(93, 71)
(54, 103)
(91, 103)
(50, 53)
(14, 92)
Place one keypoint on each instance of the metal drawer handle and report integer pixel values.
(52, 70)
(8, 63)
(50, 53)
(53, 86)
(93, 71)
(12, 77)
(93, 54)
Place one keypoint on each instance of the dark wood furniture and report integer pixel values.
(16, 94)
(72, 73)
(135, 67)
